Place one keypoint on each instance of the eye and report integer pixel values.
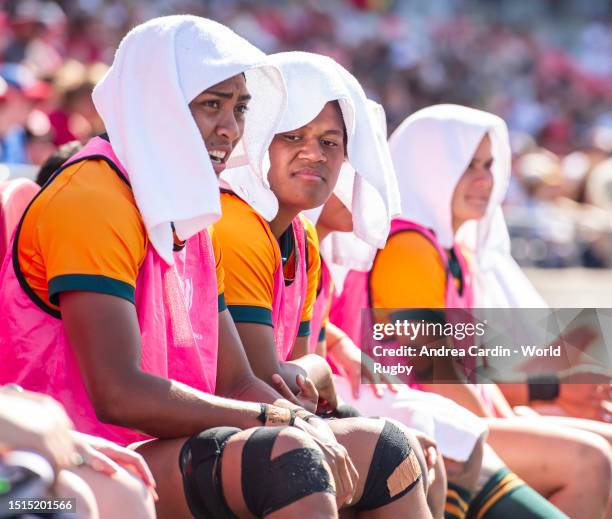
(291, 138)
(242, 109)
(211, 103)
(331, 144)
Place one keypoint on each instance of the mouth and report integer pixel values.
(479, 200)
(218, 157)
(309, 174)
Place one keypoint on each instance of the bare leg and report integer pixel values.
(119, 495)
(317, 505)
(359, 436)
(602, 428)
(163, 459)
(436, 493)
(68, 484)
(466, 474)
(570, 467)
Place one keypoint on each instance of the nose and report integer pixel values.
(312, 151)
(484, 177)
(229, 127)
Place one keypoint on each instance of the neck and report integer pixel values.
(282, 220)
(456, 224)
(322, 231)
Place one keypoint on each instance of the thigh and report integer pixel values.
(162, 456)
(603, 429)
(359, 437)
(69, 484)
(287, 439)
(543, 456)
(163, 459)
(118, 494)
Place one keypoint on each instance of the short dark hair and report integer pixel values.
(61, 155)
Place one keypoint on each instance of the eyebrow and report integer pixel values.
(335, 132)
(227, 95)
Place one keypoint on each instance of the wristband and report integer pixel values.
(304, 415)
(263, 413)
(543, 387)
(272, 415)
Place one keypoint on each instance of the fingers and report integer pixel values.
(132, 462)
(307, 387)
(432, 456)
(62, 450)
(389, 382)
(281, 386)
(97, 460)
(329, 394)
(375, 381)
(345, 475)
(354, 477)
(354, 380)
(309, 396)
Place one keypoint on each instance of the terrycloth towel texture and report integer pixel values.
(159, 68)
(312, 81)
(344, 251)
(431, 150)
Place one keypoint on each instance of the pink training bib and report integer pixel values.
(319, 312)
(177, 313)
(346, 311)
(289, 299)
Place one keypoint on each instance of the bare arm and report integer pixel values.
(258, 341)
(105, 337)
(235, 378)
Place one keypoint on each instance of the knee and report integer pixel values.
(69, 484)
(413, 442)
(281, 466)
(395, 468)
(131, 497)
(596, 455)
(289, 439)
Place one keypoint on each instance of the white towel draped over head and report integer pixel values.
(431, 150)
(344, 251)
(159, 68)
(312, 81)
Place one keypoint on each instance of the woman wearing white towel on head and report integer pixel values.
(113, 297)
(272, 261)
(453, 165)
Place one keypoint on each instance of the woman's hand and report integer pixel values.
(430, 451)
(357, 367)
(585, 392)
(307, 397)
(106, 457)
(344, 472)
(33, 421)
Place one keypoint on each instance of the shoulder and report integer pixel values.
(244, 235)
(412, 249)
(239, 221)
(90, 188)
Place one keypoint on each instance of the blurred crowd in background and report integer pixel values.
(545, 67)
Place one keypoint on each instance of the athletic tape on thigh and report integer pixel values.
(394, 470)
(200, 464)
(269, 485)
